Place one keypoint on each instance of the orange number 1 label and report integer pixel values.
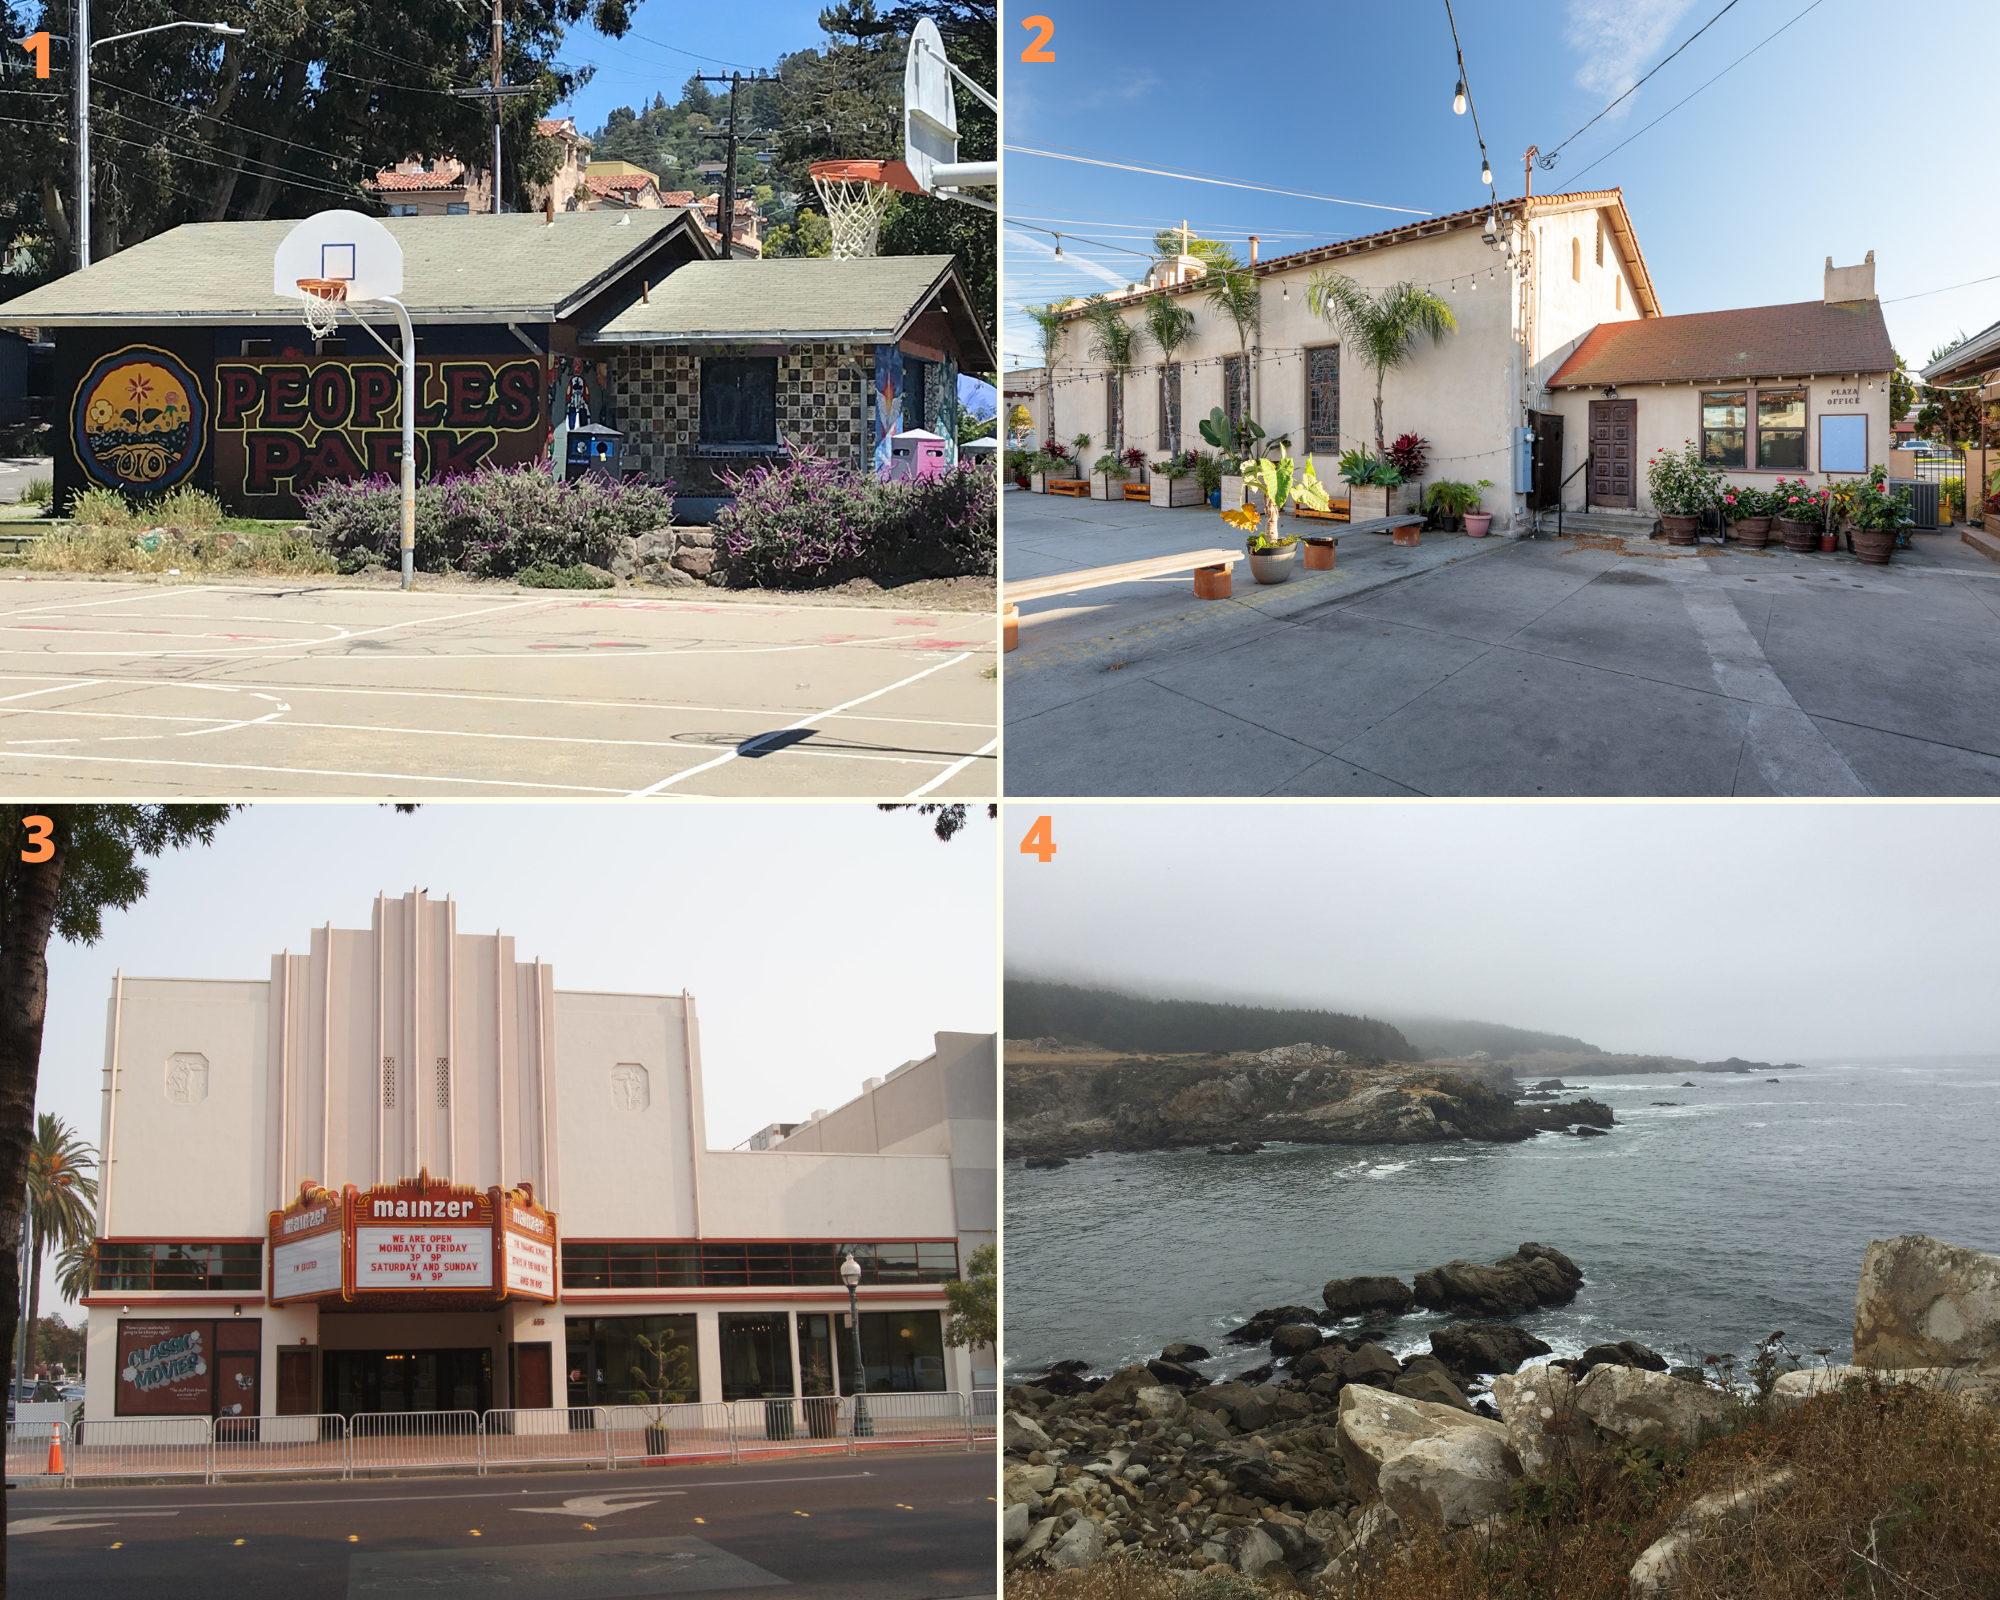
(37, 45)
(1037, 51)
(41, 843)
(1041, 840)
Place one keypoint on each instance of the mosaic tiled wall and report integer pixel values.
(823, 395)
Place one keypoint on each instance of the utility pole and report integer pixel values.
(495, 91)
(725, 202)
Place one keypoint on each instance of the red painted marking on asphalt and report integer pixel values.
(44, 627)
(838, 638)
(935, 644)
(916, 622)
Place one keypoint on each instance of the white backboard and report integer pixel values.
(339, 244)
(930, 114)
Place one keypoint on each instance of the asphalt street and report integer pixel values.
(905, 1527)
(287, 688)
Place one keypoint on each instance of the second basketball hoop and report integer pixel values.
(856, 195)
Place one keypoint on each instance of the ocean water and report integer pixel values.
(1700, 1227)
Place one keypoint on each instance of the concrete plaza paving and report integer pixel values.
(1500, 667)
(269, 688)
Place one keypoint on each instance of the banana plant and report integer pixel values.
(1238, 441)
(1282, 481)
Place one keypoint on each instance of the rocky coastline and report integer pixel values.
(1236, 1103)
(1331, 1453)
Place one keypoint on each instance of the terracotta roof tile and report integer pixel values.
(447, 175)
(1754, 342)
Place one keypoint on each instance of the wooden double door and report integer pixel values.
(1614, 448)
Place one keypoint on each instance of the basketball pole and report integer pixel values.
(409, 438)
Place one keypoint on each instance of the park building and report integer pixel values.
(406, 1172)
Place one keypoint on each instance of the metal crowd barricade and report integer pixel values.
(566, 1433)
(315, 1444)
(411, 1441)
(787, 1426)
(140, 1447)
(982, 1413)
(652, 1435)
(908, 1418)
(28, 1452)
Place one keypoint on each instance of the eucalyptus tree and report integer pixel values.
(1382, 329)
(1230, 288)
(1112, 341)
(1169, 326)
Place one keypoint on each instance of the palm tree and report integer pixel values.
(1052, 331)
(76, 1269)
(1230, 288)
(1111, 341)
(62, 1203)
(1382, 329)
(1169, 326)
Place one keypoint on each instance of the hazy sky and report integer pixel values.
(823, 943)
(1772, 932)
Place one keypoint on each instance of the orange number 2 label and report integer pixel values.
(1037, 51)
(37, 45)
(1041, 840)
(42, 846)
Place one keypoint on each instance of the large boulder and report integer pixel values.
(1625, 1353)
(1182, 1354)
(1014, 1526)
(1037, 1540)
(1174, 1373)
(1305, 1479)
(1924, 1303)
(1538, 1404)
(1267, 1322)
(1249, 1409)
(1354, 1297)
(1650, 1408)
(1248, 1549)
(1021, 1433)
(1796, 1388)
(1077, 1550)
(1470, 1348)
(1161, 1404)
(1533, 1277)
(1026, 1485)
(1295, 1339)
(1122, 1385)
(1429, 1463)
(1656, 1575)
(1426, 1378)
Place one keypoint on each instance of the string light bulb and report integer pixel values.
(1059, 254)
(1485, 170)
(1458, 99)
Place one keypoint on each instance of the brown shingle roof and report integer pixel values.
(448, 174)
(1755, 342)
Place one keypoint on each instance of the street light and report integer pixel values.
(850, 1274)
(83, 47)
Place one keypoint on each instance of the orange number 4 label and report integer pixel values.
(42, 844)
(1038, 51)
(1041, 840)
(37, 45)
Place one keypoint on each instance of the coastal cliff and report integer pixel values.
(1070, 1102)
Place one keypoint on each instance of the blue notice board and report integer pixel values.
(1843, 443)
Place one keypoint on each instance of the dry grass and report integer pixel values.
(1896, 1501)
(104, 549)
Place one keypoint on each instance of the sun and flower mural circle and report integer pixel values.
(139, 421)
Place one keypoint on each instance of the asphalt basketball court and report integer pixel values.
(280, 688)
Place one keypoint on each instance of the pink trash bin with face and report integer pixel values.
(917, 454)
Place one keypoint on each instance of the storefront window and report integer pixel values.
(816, 1364)
(756, 1354)
(901, 1350)
(725, 1264)
(1781, 430)
(125, 1267)
(1725, 420)
(623, 1361)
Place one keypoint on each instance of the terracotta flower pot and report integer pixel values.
(1873, 545)
(1755, 532)
(1476, 524)
(1829, 541)
(1319, 555)
(1010, 629)
(1680, 530)
(1801, 538)
(1274, 565)
(1211, 583)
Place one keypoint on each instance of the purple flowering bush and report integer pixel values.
(812, 521)
(492, 523)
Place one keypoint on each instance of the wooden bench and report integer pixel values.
(1336, 511)
(1401, 529)
(1211, 569)
(1139, 491)
(1076, 488)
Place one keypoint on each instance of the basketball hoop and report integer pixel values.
(321, 299)
(856, 195)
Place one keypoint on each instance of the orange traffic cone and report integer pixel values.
(55, 1451)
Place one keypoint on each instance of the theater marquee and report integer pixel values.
(416, 1242)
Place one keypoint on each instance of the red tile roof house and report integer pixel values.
(1530, 281)
(444, 187)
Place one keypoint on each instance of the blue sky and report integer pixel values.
(1737, 197)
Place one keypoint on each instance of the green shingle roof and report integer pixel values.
(868, 299)
(473, 268)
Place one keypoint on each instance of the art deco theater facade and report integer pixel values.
(406, 1172)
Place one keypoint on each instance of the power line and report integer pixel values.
(1549, 160)
(1662, 117)
(1923, 293)
(1195, 177)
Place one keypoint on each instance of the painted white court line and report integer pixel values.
(282, 651)
(803, 722)
(316, 772)
(954, 769)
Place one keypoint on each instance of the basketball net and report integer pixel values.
(856, 199)
(321, 300)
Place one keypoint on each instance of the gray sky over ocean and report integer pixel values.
(823, 943)
(1772, 932)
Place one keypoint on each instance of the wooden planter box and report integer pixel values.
(1038, 483)
(1183, 491)
(1365, 503)
(1232, 492)
(1105, 487)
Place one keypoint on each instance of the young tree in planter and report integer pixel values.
(1230, 288)
(1169, 326)
(1383, 329)
(1111, 341)
(1052, 332)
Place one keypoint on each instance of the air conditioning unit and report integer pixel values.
(1923, 500)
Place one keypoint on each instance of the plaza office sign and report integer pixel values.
(418, 1243)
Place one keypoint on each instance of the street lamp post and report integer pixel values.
(850, 1274)
(83, 46)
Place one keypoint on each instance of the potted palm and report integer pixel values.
(1169, 327)
(1230, 288)
(1382, 329)
(1748, 514)
(1176, 482)
(662, 1377)
(1279, 480)
(1801, 513)
(1683, 486)
(1208, 477)
(1374, 486)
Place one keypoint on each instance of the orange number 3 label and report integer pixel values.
(1038, 51)
(1041, 840)
(42, 845)
(37, 45)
